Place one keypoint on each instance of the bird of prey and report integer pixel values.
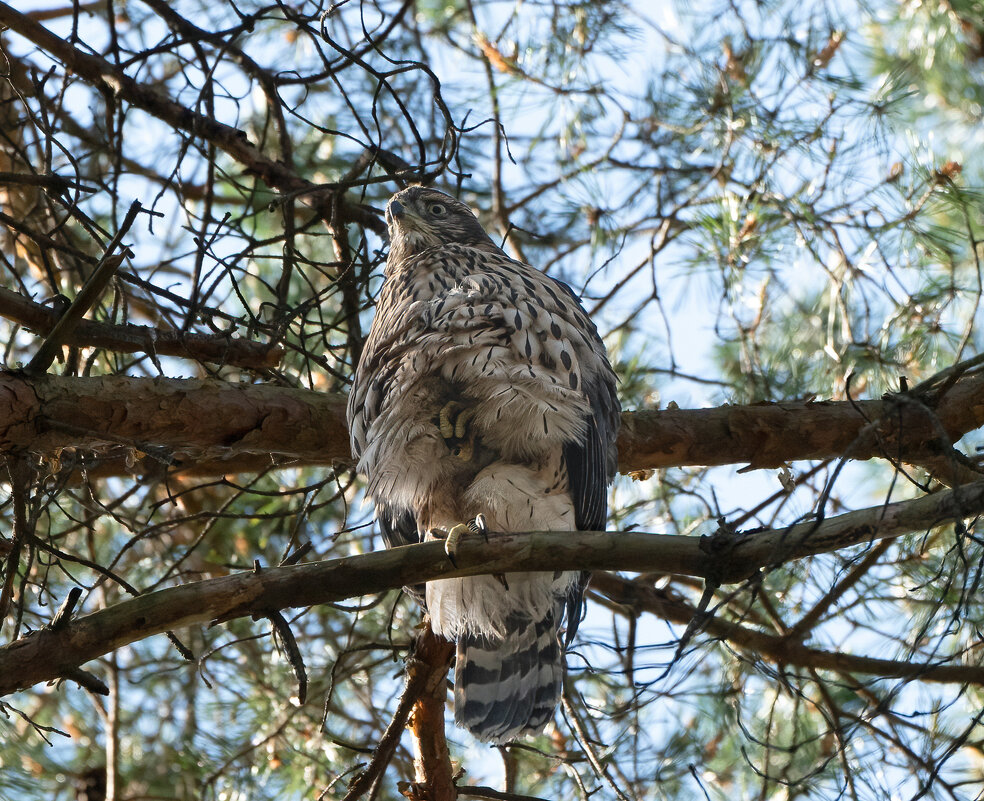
(484, 397)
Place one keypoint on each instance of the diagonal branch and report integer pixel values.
(426, 675)
(87, 296)
(782, 650)
(48, 654)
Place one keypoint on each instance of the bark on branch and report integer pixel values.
(52, 653)
(204, 427)
(129, 338)
(211, 427)
(423, 699)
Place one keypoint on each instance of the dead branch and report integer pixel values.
(93, 287)
(105, 76)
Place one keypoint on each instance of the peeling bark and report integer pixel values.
(191, 425)
(434, 777)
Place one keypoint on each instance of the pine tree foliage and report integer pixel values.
(757, 202)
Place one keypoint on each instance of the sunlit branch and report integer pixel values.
(49, 654)
(212, 427)
(129, 338)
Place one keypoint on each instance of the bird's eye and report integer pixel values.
(437, 209)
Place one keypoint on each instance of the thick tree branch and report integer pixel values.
(211, 427)
(769, 434)
(49, 654)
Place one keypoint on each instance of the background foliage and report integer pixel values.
(756, 201)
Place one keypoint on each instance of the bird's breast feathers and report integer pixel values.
(494, 335)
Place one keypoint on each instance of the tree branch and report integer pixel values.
(213, 427)
(48, 654)
(782, 650)
(205, 425)
(434, 778)
(770, 434)
(420, 678)
(90, 292)
(128, 338)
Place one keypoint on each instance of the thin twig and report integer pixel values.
(87, 296)
(474, 791)
(20, 481)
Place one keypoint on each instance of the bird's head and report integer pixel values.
(419, 218)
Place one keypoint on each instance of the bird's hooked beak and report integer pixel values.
(396, 212)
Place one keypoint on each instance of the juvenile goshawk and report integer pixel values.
(484, 392)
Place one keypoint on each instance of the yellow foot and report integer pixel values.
(453, 537)
(446, 421)
(453, 421)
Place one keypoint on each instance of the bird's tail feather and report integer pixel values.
(510, 686)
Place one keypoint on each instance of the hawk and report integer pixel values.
(484, 396)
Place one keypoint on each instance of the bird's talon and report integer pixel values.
(461, 424)
(452, 421)
(445, 421)
(480, 526)
(452, 539)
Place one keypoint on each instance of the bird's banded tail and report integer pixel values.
(507, 687)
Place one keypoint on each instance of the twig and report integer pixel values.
(130, 338)
(473, 791)
(296, 555)
(88, 295)
(780, 650)
(586, 746)
(803, 626)
(56, 182)
(20, 478)
(294, 657)
(64, 613)
(85, 679)
(103, 74)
